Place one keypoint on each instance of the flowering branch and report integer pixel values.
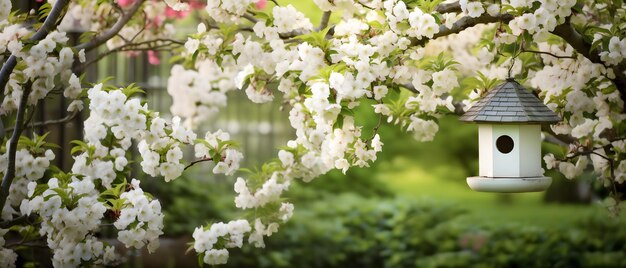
(462, 24)
(48, 25)
(9, 174)
(582, 46)
(101, 39)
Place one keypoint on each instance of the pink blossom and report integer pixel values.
(261, 4)
(173, 14)
(125, 3)
(153, 57)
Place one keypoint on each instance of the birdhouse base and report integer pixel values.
(509, 185)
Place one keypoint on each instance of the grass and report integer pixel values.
(486, 208)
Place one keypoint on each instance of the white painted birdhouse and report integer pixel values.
(509, 137)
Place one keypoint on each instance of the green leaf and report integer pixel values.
(132, 89)
(86, 36)
(44, 10)
(201, 259)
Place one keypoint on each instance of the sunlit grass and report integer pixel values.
(485, 208)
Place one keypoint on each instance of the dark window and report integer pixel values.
(504, 144)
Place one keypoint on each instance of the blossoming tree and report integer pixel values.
(435, 57)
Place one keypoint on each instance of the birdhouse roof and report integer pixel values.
(510, 103)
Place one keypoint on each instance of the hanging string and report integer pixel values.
(513, 60)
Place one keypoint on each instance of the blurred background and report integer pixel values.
(410, 208)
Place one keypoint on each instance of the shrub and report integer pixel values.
(351, 231)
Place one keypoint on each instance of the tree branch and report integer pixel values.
(18, 221)
(462, 24)
(132, 47)
(110, 33)
(324, 21)
(547, 53)
(566, 31)
(206, 159)
(9, 174)
(250, 18)
(454, 7)
(48, 25)
(50, 122)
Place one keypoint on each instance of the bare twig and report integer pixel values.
(50, 122)
(38, 242)
(375, 129)
(168, 45)
(250, 18)
(206, 159)
(547, 53)
(552, 139)
(111, 32)
(18, 221)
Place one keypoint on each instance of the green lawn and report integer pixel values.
(486, 208)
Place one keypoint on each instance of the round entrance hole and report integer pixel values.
(504, 144)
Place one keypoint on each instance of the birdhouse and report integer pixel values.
(509, 136)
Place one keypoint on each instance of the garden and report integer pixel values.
(318, 133)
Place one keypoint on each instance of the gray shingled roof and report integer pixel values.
(510, 103)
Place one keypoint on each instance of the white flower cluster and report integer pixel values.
(426, 102)
(5, 9)
(7, 256)
(473, 9)
(564, 84)
(140, 221)
(287, 19)
(28, 168)
(70, 213)
(260, 230)
(213, 144)
(616, 51)
(228, 11)
(228, 235)
(126, 119)
(421, 24)
(423, 130)
(198, 94)
(70, 208)
(44, 62)
(543, 20)
(269, 192)
(347, 6)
